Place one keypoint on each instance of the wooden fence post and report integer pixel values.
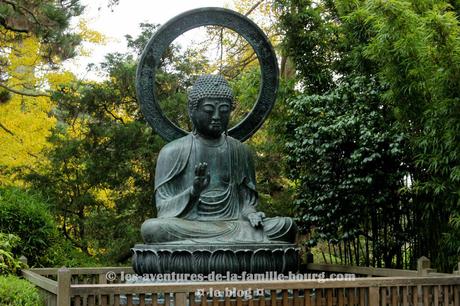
(23, 259)
(374, 296)
(63, 289)
(180, 299)
(102, 278)
(423, 266)
(457, 272)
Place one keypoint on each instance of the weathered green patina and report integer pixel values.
(205, 187)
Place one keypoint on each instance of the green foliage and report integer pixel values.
(5, 96)
(416, 50)
(450, 242)
(26, 215)
(311, 40)
(8, 263)
(64, 254)
(101, 183)
(275, 193)
(410, 50)
(347, 158)
(18, 292)
(245, 90)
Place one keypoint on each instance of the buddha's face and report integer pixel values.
(211, 116)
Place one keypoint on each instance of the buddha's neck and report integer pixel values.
(214, 142)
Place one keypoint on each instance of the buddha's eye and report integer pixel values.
(208, 108)
(224, 108)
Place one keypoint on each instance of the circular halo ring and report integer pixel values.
(184, 22)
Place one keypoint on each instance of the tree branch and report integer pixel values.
(253, 7)
(32, 154)
(18, 7)
(6, 129)
(8, 27)
(113, 115)
(22, 93)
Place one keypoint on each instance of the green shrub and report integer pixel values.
(8, 263)
(18, 292)
(64, 253)
(26, 215)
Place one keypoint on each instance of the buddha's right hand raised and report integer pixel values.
(201, 180)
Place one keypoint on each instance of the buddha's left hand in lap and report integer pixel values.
(256, 219)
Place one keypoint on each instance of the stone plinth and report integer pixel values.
(204, 259)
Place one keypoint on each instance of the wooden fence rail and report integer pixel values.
(371, 291)
(89, 287)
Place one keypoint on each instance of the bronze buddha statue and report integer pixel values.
(205, 186)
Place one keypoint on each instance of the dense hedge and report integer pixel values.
(9, 263)
(18, 292)
(26, 215)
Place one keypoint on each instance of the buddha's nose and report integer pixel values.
(216, 115)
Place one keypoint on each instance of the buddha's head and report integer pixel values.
(210, 103)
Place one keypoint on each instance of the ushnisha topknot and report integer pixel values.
(209, 86)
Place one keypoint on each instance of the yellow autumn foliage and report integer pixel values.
(23, 61)
(89, 36)
(29, 120)
(55, 79)
(26, 121)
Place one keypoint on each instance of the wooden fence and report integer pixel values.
(379, 287)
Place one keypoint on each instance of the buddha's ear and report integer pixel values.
(191, 116)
